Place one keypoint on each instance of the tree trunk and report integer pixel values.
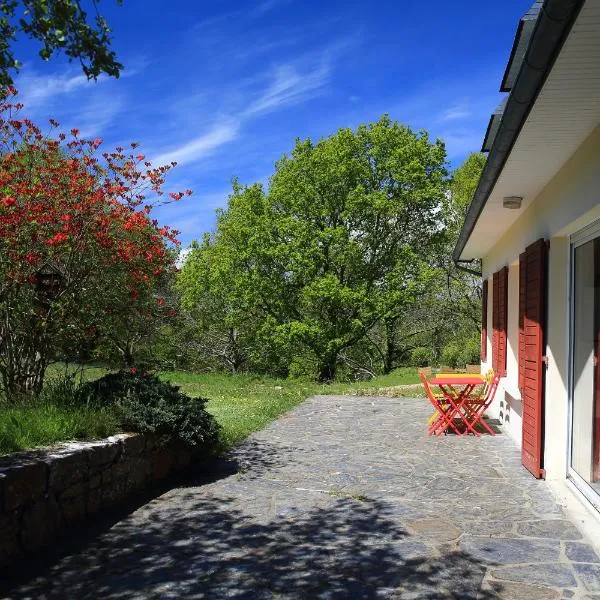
(24, 377)
(327, 369)
(126, 351)
(236, 360)
(391, 351)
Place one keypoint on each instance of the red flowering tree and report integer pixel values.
(77, 242)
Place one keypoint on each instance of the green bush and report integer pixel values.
(452, 356)
(471, 352)
(145, 404)
(421, 357)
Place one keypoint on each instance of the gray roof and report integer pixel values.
(553, 21)
(520, 45)
(493, 126)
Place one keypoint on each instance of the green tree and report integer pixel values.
(462, 187)
(59, 26)
(221, 309)
(459, 313)
(340, 240)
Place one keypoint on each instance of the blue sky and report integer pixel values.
(225, 87)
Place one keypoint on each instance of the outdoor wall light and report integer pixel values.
(512, 202)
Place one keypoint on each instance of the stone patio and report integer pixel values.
(343, 497)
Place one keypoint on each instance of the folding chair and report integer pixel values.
(477, 405)
(438, 421)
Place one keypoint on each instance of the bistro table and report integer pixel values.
(456, 402)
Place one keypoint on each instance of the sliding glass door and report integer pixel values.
(585, 382)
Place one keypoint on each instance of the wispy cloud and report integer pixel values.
(290, 87)
(37, 89)
(201, 146)
(455, 113)
(268, 5)
(461, 141)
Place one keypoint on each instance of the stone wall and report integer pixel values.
(43, 493)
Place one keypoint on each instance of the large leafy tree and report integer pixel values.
(463, 288)
(59, 26)
(79, 253)
(340, 240)
(221, 309)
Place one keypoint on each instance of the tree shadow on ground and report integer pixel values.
(198, 546)
(254, 457)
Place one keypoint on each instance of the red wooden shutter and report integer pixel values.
(495, 319)
(484, 310)
(534, 325)
(499, 318)
(596, 436)
(522, 281)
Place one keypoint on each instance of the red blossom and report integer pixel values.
(59, 238)
(85, 212)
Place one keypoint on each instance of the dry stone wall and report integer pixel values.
(43, 493)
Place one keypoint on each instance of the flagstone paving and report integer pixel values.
(342, 497)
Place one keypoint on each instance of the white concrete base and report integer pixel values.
(578, 509)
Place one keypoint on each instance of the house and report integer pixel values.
(534, 222)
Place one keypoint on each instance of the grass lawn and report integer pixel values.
(240, 403)
(245, 403)
(43, 424)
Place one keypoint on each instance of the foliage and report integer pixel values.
(59, 25)
(421, 357)
(80, 257)
(454, 304)
(211, 293)
(464, 183)
(54, 416)
(451, 356)
(145, 404)
(471, 352)
(336, 246)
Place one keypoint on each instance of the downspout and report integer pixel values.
(461, 267)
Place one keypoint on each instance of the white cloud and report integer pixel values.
(454, 113)
(290, 87)
(268, 5)
(201, 146)
(462, 141)
(35, 90)
(98, 114)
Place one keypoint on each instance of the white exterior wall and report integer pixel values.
(570, 201)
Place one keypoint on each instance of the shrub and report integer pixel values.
(145, 404)
(451, 355)
(302, 367)
(421, 357)
(471, 352)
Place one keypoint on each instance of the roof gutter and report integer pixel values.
(552, 28)
(461, 267)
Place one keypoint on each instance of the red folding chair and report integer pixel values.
(443, 417)
(476, 406)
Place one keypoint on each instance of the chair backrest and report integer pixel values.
(426, 385)
(491, 384)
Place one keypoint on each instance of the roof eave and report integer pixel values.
(553, 25)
